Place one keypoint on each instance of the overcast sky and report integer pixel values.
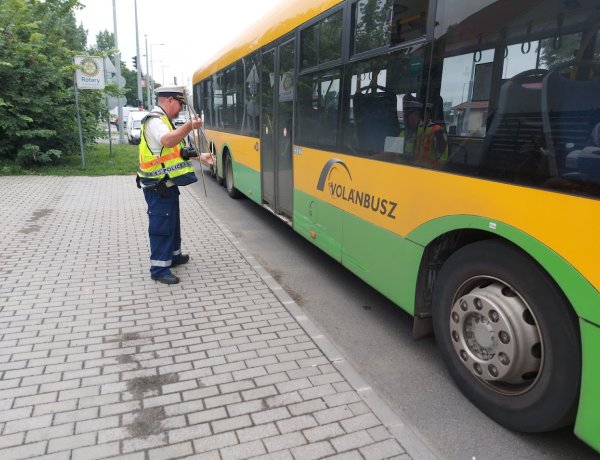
(191, 31)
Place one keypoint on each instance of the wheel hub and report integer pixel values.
(494, 334)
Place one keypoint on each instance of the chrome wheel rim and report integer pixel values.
(496, 335)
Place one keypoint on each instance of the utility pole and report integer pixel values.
(139, 63)
(118, 66)
(147, 75)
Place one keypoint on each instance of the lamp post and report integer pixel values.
(152, 64)
(140, 100)
(147, 75)
(118, 66)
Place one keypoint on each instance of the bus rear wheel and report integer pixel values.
(508, 336)
(231, 190)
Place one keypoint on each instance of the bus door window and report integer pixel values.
(217, 103)
(285, 99)
(267, 132)
(284, 125)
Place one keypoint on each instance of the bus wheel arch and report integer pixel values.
(435, 255)
(212, 148)
(232, 191)
(487, 299)
(219, 175)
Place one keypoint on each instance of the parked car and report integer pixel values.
(134, 125)
(126, 111)
(113, 116)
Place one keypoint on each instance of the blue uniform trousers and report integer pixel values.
(164, 230)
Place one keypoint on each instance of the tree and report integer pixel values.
(105, 41)
(38, 40)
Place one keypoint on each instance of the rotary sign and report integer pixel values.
(90, 72)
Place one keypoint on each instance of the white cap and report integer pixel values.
(176, 92)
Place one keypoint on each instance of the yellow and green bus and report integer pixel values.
(448, 153)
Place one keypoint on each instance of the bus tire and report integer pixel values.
(231, 190)
(220, 178)
(508, 336)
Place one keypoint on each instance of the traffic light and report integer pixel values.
(134, 60)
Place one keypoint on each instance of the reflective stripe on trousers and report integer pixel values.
(164, 229)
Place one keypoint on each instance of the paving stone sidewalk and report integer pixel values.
(99, 361)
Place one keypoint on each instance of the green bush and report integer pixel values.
(100, 160)
(30, 155)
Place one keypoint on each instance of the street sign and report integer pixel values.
(113, 101)
(108, 65)
(90, 73)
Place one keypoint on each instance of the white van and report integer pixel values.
(134, 125)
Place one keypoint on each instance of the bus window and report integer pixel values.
(230, 99)
(373, 112)
(248, 86)
(521, 88)
(322, 42)
(206, 101)
(409, 20)
(318, 108)
(378, 23)
(371, 24)
(217, 100)
(469, 108)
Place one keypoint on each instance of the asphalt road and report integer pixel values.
(376, 337)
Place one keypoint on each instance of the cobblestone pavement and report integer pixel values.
(97, 360)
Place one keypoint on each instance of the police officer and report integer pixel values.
(161, 166)
(432, 142)
(413, 125)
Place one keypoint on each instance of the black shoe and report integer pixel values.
(166, 279)
(182, 259)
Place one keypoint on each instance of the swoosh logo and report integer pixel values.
(325, 172)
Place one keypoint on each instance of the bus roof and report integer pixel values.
(283, 18)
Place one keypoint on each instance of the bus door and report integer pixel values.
(277, 108)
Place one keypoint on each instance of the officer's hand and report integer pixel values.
(196, 122)
(206, 157)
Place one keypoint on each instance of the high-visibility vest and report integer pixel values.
(410, 142)
(169, 162)
(426, 153)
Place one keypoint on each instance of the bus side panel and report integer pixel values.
(245, 158)
(247, 181)
(581, 294)
(318, 222)
(587, 425)
(384, 260)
